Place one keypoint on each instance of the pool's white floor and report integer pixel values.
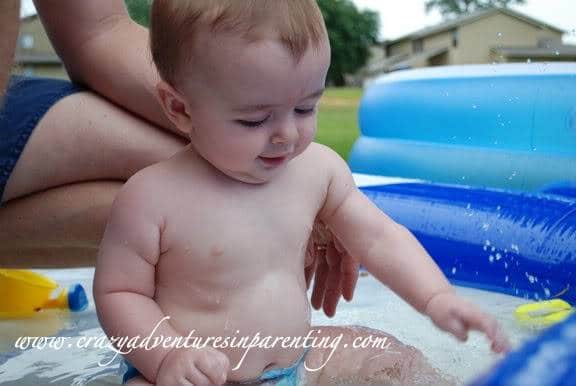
(373, 306)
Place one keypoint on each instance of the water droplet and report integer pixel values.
(499, 34)
(453, 270)
(474, 106)
(547, 292)
(528, 60)
(506, 279)
(491, 258)
(498, 256)
(557, 53)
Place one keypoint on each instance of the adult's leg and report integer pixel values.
(383, 360)
(9, 21)
(59, 227)
(57, 198)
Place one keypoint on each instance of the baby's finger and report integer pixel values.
(196, 378)
(479, 321)
(458, 329)
(173, 380)
(500, 343)
(214, 366)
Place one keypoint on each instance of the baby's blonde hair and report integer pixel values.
(174, 25)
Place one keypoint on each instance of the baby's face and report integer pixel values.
(252, 107)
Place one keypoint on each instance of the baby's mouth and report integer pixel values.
(272, 161)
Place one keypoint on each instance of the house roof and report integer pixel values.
(470, 18)
(563, 51)
(424, 55)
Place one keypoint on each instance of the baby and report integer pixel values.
(211, 243)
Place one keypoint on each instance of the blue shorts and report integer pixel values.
(25, 103)
(287, 376)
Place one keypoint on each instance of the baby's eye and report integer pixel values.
(305, 111)
(246, 123)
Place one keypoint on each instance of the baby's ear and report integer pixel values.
(174, 105)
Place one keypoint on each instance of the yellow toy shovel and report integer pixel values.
(543, 314)
(24, 292)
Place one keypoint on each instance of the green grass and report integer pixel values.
(338, 119)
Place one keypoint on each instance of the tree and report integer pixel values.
(461, 7)
(351, 33)
(139, 11)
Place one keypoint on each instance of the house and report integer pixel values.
(35, 55)
(496, 35)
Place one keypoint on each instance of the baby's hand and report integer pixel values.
(205, 366)
(457, 316)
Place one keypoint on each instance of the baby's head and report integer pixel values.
(241, 78)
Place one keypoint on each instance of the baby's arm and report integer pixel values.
(394, 256)
(124, 286)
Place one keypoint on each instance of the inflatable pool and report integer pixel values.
(499, 144)
(505, 126)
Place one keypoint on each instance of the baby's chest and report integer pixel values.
(227, 232)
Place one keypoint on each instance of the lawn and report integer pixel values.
(338, 119)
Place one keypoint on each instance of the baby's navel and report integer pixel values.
(216, 251)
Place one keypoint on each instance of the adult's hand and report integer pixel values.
(335, 271)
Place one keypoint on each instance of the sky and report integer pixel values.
(401, 17)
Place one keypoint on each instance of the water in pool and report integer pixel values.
(77, 362)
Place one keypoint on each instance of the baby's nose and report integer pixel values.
(286, 134)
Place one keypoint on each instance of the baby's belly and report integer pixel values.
(258, 325)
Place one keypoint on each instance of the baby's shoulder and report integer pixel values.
(145, 191)
(325, 160)
(148, 180)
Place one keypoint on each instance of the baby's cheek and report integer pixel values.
(307, 136)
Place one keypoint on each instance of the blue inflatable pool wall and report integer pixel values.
(505, 125)
(518, 244)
